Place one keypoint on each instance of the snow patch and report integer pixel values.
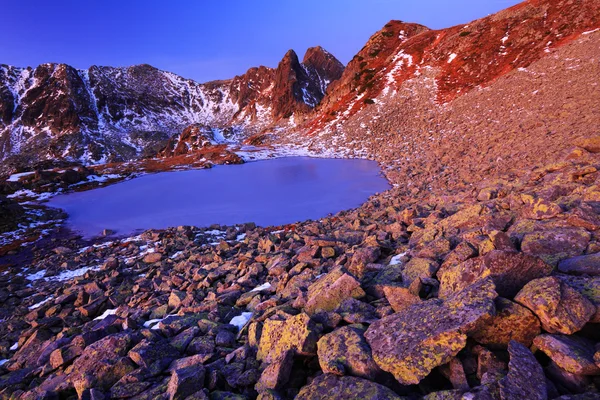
(241, 320)
(17, 177)
(262, 287)
(396, 260)
(106, 314)
(41, 303)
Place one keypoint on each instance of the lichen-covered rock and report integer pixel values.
(445, 395)
(571, 353)
(298, 333)
(591, 144)
(400, 297)
(276, 375)
(102, 363)
(560, 308)
(509, 270)
(332, 387)
(581, 265)
(555, 245)
(511, 322)
(525, 379)
(418, 267)
(540, 209)
(361, 258)
(331, 290)
(589, 287)
(346, 352)
(185, 382)
(409, 344)
(159, 355)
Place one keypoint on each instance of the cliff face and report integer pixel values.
(57, 112)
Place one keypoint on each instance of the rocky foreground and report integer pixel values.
(492, 293)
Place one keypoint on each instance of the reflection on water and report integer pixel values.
(272, 192)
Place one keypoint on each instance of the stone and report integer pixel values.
(571, 353)
(175, 298)
(355, 311)
(185, 382)
(488, 364)
(328, 252)
(555, 245)
(525, 379)
(346, 352)
(581, 265)
(152, 258)
(560, 308)
(361, 258)
(591, 144)
(332, 387)
(149, 355)
(277, 374)
(511, 322)
(327, 293)
(298, 333)
(510, 271)
(455, 373)
(225, 338)
(102, 363)
(588, 287)
(64, 355)
(400, 297)
(417, 268)
(540, 209)
(411, 343)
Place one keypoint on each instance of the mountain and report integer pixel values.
(58, 112)
(444, 108)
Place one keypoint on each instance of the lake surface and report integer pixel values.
(271, 192)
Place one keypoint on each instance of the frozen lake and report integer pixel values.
(270, 192)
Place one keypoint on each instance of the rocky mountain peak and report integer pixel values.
(113, 114)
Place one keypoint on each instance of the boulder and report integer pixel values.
(277, 374)
(332, 387)
(298, 333)
(400, 297)
(591, 144)
(581, 265)
(410, 343)
(571, 353)
(511, 322)
(346, 352)
(327, 293)
(418, 267)
(361, 258)
(560, 308)
(588, 287)
(152, 258)
(525, 379)
(540, 209)
(102, 363)
(510, 271)
(153, 355)
(185, 382)
(555, 245)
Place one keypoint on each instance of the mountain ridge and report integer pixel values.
(105, 113)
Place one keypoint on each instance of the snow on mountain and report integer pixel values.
(110, 114)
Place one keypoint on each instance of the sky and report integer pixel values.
(205, 39)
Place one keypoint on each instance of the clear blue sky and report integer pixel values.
(206, 39)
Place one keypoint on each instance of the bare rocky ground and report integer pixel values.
(486, 293)
(477, 277)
